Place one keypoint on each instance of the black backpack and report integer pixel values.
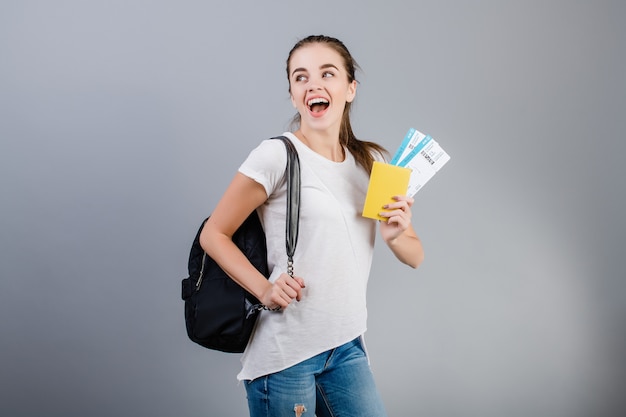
(219, 313)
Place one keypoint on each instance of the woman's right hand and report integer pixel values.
(283, 291)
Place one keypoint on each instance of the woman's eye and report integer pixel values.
(300, 78)
(327, 74)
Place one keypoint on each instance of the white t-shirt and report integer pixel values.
(333, 256)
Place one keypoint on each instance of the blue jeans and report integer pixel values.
(336, 383)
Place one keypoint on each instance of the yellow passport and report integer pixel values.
(386, 181)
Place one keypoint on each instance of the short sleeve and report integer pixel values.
(266, 164)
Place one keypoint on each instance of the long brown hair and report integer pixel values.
(361, 150)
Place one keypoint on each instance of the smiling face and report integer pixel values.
(319, 86)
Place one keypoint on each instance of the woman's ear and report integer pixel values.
(351, 91)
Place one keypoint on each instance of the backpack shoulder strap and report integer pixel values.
(292, 172)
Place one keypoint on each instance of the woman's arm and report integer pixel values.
(399, 234)
(242, 196)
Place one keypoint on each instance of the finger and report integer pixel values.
(277, 303)
(393, 213)
(279, 295)
(287, 291)
(398, 205)
(399, 220)
(409, 200)
(292, 287)
(402, 208)
(296, 285)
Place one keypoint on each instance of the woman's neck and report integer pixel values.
(326, 145)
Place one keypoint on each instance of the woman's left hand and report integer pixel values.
(398, 215)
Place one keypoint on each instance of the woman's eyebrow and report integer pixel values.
(321, 67)
(329, 66)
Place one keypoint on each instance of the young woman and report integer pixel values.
(309, 355)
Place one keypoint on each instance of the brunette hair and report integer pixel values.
(361, 150)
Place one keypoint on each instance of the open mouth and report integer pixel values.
(317, 105)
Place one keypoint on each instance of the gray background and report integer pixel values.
(122, 122)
